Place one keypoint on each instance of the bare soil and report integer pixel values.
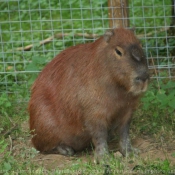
(150, 148)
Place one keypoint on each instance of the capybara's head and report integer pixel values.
(127, 60)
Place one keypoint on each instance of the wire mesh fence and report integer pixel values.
(32, 32)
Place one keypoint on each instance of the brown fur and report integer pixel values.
(86, 92)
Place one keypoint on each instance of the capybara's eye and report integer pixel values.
(118, 52)
(138, 78)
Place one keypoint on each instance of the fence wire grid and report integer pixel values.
(32, 32)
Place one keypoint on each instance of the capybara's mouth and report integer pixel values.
(139, 87)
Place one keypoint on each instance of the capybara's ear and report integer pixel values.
(135, 55)
(108, 34)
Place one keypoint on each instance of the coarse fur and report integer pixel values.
(86, 92)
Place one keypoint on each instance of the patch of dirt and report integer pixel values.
(149, 147)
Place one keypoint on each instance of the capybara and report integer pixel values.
(87, 92)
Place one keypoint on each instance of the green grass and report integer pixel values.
(18, 156)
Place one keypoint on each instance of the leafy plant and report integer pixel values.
(160, 100)
(35, 65)
(157, 106)
(5, 104)
(159, 167)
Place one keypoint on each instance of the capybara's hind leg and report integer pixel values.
(65, 150)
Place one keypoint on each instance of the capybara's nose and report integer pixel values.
(143, 77)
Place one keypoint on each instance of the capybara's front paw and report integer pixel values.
(129, 151)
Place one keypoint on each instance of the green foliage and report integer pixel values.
(159, 100)
(3, 146)
(159, 167)
(157, 106)
(30, 22)
(35, 65)
(14, 164)
(27, 24)
(5, 111)
(13, 159)
(5, 104)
